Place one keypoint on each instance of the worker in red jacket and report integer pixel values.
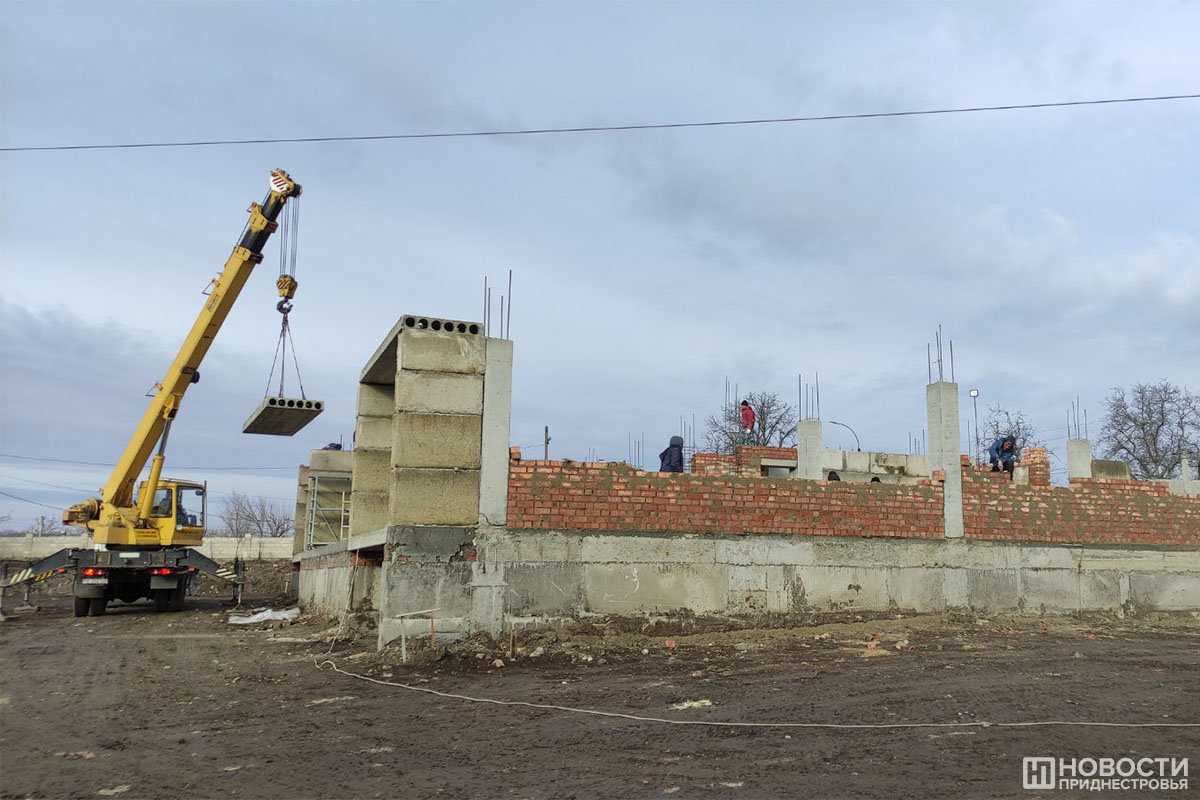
(747, 421)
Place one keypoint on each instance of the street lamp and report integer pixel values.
(847, 427)
(975, 402)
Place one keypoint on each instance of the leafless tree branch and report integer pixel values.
(246, 515)
(1152, 426)
(774, 424)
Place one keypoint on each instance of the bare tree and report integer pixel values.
(1001, 422)
(255, 515)
(47, 526)
(774, 424)
(1152, 426)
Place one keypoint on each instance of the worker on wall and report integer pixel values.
(671, 459)
(747, 422)
(1003, 455)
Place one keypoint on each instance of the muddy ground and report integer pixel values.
(142, 705)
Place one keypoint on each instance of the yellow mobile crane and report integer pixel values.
(140, 542)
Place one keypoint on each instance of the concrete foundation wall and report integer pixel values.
(492, 579)
(565, 574)
(328, 592)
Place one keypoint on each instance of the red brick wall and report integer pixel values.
(1088, 511)
(713, 464)
(551, 495)
(744, 461)
(596, 496)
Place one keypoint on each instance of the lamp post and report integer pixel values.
(975, 402)
(847, 427)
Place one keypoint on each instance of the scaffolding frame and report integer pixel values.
(334, 519)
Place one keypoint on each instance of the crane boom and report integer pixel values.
(113, 518)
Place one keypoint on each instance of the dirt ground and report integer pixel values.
(142, 705)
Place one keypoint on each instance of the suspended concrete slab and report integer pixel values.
(282, 416)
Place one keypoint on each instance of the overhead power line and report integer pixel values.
(41, 483)
(109, 464)
(602, 128)
(25, 500)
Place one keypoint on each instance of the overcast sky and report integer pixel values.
(1059, 248)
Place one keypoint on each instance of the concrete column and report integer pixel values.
(941, 408)
(497, 416)
(1079, 458)
(1185, 469)
(809, 450)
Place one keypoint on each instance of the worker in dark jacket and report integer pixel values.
(1003, 454)
(671, 459)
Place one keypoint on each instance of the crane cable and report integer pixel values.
(289, 232)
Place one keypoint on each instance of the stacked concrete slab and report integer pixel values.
(421, 438)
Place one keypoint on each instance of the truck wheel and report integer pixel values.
(97, 606)
(175, 603)
(82, 606)
(162, 599)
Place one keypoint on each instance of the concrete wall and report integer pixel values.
(336, 591)
(493, 579)
(218, 548)
(567, 574)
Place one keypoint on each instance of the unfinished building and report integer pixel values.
(431, 516)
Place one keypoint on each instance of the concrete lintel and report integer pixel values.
(324, 550)
(790, 463)
(368, 541)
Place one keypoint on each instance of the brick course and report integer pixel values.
(545, 495)
(1089, 511)
(554, 495)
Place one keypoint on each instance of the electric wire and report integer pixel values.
(41, 483)
(603, 128)
(112, 464)
(26, 500)
(329, 664)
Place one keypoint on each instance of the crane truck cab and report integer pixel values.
(175, 517)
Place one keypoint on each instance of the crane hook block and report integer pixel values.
(287, 286)
(282, 416)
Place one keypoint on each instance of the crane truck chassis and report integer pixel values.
(101, 576)
(140, 542)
